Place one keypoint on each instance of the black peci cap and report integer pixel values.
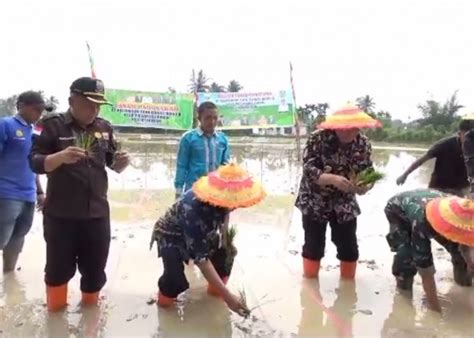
(91, 89)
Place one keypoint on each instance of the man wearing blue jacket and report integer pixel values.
(19, 186)
(201, 150)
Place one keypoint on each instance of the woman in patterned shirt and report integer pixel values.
(193, 229)
(332, 155)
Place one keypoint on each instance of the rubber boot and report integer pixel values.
(89, 299)
(462, 277)
(348, 270)
(56, 297)
(213, 291)
(9, 261)
(164, 301)
(311, 268)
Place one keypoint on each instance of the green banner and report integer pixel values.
(253, 110)
(149, 110)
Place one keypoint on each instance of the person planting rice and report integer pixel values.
(416, 217)
(192, 229)
(334, 158)
(449, 173)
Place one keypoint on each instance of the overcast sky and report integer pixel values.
(399, 52)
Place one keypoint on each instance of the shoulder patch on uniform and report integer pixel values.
(102, 120)
(50, 116)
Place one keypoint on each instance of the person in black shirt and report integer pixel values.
(73, 149)
(468, 149)
(449, 174)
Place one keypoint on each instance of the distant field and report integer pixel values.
(258, 140)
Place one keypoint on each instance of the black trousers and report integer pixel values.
(72, 244)
(343, 235)
(173, 280)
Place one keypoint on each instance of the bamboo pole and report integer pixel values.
(297, 122)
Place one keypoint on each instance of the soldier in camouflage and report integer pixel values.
(409, 237)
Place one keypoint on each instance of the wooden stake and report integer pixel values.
(297, 122)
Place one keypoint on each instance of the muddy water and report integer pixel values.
(268, 267)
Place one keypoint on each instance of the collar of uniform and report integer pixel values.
(201, 132)
(69, 119)
(21, 120)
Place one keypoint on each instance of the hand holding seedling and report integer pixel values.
(362, 190)
(340, 182)
(367, 177)
(72, 155)
(121, 161)
(236, 304)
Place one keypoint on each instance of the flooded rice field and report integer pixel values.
(268, 266)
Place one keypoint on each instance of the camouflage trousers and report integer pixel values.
(400, 242)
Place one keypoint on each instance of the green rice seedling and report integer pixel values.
(367, 177)
(230, 246)
(243, 300)
(85, 141)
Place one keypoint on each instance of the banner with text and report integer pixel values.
(149, 110)
(252, 110)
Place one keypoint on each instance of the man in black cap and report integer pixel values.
(19, 186)
(73, 149)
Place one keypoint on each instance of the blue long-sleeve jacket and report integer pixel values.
(198, 155)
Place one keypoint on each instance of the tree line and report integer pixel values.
(439, 119)
(8, 105)
(199, 83)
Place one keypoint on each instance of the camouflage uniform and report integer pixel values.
(410, 238)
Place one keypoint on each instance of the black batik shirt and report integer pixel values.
(450, 168)
(325, 154)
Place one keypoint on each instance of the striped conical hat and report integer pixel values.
(349, 117)
(452, 217)
(229, 187)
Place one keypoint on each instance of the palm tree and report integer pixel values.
(366, 103)
(216, 88)
(234, 87)
(321, 110)
(198, 83)
(440, 115)
(452, 106)
(52, 103)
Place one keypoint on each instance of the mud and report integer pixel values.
(268, 267)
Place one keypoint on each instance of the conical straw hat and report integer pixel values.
(349, 117)
(452, 217)
(229, 187)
